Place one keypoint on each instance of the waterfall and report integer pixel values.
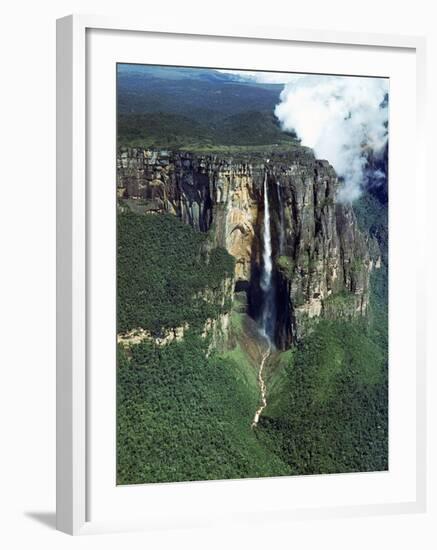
(281, 219)
(268, 306)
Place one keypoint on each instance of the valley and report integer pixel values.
(272, 281)
(252, 300)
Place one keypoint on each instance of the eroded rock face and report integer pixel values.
(321, 259)
(201, 191)
(325, 254)
(136, 336)
(214, 329)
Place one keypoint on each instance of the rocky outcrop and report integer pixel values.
(325, 254)
(215, 328)
(202, 191)
(320, 256)
(138, 335)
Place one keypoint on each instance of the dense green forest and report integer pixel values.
(174, 131)
(328, 410)
(194, 109)
(200, 94)
(185, 409)
(163, 265)
(184, 414)
(181, 415)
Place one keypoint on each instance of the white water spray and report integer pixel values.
(266, 274)
(266, 277)
(341, 118)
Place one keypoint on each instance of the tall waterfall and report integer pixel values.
(268, 306)
(268, 309)
(281, 219)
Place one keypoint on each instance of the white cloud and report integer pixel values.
(339, 118)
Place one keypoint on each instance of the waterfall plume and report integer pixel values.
(342, 119)
(268, 306)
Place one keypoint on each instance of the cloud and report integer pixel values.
(341, 119)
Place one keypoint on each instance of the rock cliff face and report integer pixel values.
(321, 259)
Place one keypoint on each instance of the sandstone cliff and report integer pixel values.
(321, 259)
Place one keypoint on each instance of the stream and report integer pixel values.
(262, 386)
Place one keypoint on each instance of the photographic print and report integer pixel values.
(252, 274)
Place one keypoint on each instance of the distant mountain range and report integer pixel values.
(183, 107)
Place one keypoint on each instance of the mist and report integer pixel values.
(342, 119)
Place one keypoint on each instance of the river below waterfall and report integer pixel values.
(263, 388)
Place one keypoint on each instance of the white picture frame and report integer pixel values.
(73, 299)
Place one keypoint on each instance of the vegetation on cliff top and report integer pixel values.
(174, 131)
(203, 95)
(195, 109)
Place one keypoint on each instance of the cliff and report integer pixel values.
(321, 259)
